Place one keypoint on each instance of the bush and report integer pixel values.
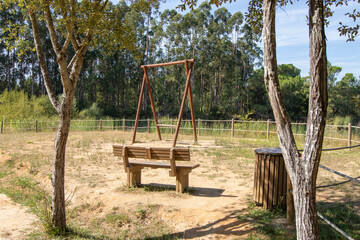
(93, 112)
(338, 120)
(15, 105)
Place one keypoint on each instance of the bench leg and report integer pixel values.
(182, 180)
(134, 177)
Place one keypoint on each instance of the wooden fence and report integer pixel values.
(231, 127)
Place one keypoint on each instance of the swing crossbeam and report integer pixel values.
(187, 91)
(168, 63)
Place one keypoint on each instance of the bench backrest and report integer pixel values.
(152, 153)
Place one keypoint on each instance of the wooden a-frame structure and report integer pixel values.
(187, 91)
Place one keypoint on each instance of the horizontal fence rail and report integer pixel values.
(232, 127)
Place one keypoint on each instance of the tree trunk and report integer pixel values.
(201, 93)
(302, 172)
(58, 172)
(305, 199)
(21, 76)
(8, 70)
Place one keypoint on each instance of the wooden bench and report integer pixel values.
(133, 167)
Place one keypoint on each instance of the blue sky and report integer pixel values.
(293, 37)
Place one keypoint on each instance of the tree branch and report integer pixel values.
(51, 28)
(318, 86)
(44, 69)
(66, 43)
(283, 123)
(71, 27)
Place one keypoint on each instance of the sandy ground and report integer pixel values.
(219, 191)
(16, 221)
(208, 212)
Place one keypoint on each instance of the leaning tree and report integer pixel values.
(73, 26)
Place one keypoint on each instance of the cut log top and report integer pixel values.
(268, 151)
(153, 153)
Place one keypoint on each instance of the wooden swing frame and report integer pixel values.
(187, 91)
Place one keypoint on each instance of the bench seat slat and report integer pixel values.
(134, 162)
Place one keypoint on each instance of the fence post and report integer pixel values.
(2, 125)
(172, 123)
(232, 127)
(123, 124)
(148, 125)
(100, 125)
(349, 135)
(36, 126)
(268, 129)
(199, 124)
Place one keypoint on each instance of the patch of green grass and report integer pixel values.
(343, 215)
(265, 224)
(25, 190)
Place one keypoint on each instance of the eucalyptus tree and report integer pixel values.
(11, 17)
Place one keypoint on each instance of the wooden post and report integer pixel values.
(139, 107)
(172, 128)
(349, 135)
(183, 103)
(2, 125)
(191, 102)
(290, 208)
(268, 129)
(152, 102)
(199, 124)
(100, 125)
(148, 125)
(123, 124)
(36, 126)
(232, 127)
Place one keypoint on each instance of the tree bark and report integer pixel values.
(58, 172)
(302, 170)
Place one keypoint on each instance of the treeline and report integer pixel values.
(227, 79)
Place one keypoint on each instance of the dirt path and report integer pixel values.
(16, 221)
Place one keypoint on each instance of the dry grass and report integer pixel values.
(101, 207)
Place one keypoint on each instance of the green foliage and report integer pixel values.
(294, 90)
(94, 112)
(43, 107)
(343, 95)
(16, 105)
(227, 79)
